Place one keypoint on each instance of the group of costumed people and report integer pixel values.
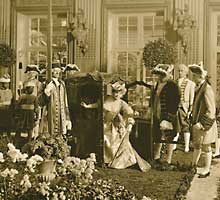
(34, 97)
(173, 102)
(179, 107)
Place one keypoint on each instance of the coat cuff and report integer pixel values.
(206, 122)
(171, 117)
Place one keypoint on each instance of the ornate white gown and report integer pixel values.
(118, 152)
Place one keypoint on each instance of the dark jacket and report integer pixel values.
(169, 99)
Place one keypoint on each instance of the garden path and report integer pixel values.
(206, 188)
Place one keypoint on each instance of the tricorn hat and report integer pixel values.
(164, 69)
(198, 69)
(73, 67)
(32, 68)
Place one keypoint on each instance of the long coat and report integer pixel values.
(165, 107)
(60, 111)
(204, 111)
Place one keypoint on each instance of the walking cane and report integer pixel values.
(128, 132)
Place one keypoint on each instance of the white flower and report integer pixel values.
(44, 189)
(93, 157)
(33, 161)
(25, 182)
(83, 163)
(62, 196)
(9, 172)
(76, 160)
(1, 157)
(146, 198)
(15, 154)
(13, 172)
(60, 161)
(5, 173)
(37, 158)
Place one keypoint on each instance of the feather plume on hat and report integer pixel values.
(119, 87)
(164, 69)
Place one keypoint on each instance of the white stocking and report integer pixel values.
(217, 147)
(208, 160)
(186, 141)
(169, 152)
(157, 149)
(175, 140)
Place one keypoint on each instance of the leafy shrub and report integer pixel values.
(8, 56)
(159, 51)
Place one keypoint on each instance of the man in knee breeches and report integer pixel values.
(204, 127)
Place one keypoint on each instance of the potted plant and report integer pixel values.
(159, 51)
(51, 148)
(7, 58)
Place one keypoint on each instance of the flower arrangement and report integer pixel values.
(48, 147)
(8, 56)
(159, 51)
(19, 179)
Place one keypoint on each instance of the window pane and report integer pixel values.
(132, 66)
(122, 64)
(148, 26)
(122, 21)
(132, 36)
(123, 36)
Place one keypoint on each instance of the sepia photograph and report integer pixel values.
(109, 99)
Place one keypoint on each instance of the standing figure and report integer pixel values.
(217, 139)
(204, 127)
(55, 92)
(5, 91)
(118, 122)
(28, 111)
(32, 73)
(166, 99)
(187, 88)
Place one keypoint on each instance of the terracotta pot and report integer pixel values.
(48, 170)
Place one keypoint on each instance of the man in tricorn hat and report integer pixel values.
(32, 72)
(204, 127)
(55, 92)
(166, 99)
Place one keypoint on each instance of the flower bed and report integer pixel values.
(79, 179)
(21, 179)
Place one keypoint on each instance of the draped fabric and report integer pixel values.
(118, 152)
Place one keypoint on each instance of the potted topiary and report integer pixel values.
(52, 148)
(159, 51)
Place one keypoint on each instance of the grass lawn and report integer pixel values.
(154, 183)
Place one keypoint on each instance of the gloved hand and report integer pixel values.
(129, 128)
(49, 89)
(166, 125)
(68, 125)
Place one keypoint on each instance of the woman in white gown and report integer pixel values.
(118, 121)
